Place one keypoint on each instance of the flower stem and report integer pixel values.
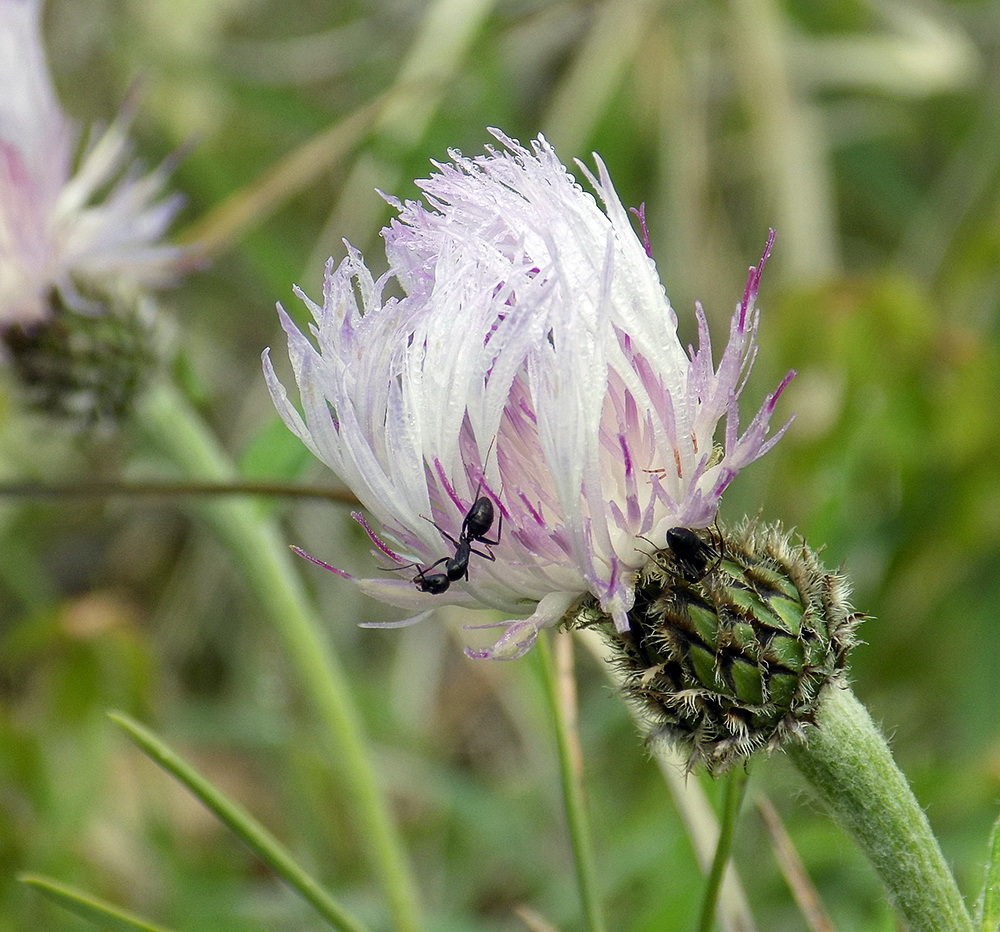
(692, 803)
(571, 772)
(848, 762)
(170, 425)
(89, 488)
(736, 787)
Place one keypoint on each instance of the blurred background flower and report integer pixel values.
(866, 133)
(81, 239)
(68, 225)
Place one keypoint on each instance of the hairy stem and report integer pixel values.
(848, 762)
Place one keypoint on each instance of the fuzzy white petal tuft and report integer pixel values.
(534, 362)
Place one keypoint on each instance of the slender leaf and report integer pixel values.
(236, 818)
(97, 911)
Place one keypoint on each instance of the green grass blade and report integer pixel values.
(242, 824)
(89, 907)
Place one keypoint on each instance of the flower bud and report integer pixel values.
(82, 367)
(732, 641)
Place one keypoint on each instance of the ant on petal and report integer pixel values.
(475, 526)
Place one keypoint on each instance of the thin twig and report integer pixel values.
(793, 869)
(97, 488)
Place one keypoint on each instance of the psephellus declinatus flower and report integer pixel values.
(81, 239)
(532, 369)
(531, 376)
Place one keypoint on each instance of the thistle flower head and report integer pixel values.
(70, 232)
(532, 360)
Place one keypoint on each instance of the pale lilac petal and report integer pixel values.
(31, 121)
(403, 594)
(520, 635)
(404, 623)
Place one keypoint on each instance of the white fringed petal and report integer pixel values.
(533, 359)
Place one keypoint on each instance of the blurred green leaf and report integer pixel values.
(274, 452)
(99, 912)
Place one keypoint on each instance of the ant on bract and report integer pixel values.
(475, 526)
(692, 554)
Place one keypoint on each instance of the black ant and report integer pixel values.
(692, 554)
(475, 527)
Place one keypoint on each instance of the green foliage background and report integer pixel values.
(867, 134)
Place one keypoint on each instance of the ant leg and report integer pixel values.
(421, 571)
(656, 556)
(410, 566)
(721, 551)
(489, 554)
(398, 569)
(441, 531)
(486, 540)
